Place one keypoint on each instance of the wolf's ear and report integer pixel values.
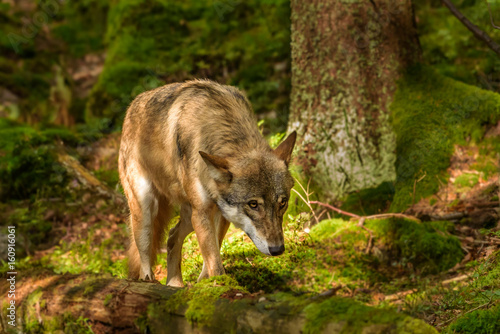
(285, 149)
(218, 167)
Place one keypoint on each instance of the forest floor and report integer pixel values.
(443, 270)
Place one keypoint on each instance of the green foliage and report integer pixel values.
(452, 49)
(235, 42)
(81, 25)
(430, 113)
(31, 227)
(31, 167)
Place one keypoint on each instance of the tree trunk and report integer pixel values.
(346, 58)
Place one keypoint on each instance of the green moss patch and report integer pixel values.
(477, 322)
(200, 299)
(466, 181)
(276, 313)
(335, 251)
(430, 113)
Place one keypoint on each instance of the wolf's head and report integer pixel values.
(252, 192)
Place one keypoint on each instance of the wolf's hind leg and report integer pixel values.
(174, 246)
(143, 205)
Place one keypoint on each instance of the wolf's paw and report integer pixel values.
(175, 282)
(147, 276)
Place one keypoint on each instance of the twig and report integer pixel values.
(399, 294)
(455, 279)
(335, 209)
(393, 215)
(363, 218)
(322, 213)
(370, 240)
(491, 16)
(481, 35)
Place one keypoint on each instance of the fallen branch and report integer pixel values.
(363, 218)
(109, 305)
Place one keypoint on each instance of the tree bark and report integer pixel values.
(346, 59)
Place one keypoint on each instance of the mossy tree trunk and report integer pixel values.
(346, 59)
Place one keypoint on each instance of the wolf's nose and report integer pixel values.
(277, 250)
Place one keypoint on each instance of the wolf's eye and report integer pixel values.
(253, 204)
(283, 202)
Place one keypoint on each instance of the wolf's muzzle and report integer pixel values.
(277, 250)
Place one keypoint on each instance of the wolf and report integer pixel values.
(196, 144)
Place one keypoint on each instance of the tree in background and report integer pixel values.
(346, 59)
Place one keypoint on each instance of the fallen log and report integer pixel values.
(106, 305)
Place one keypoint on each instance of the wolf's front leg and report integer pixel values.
(174, 246)
(206, 234)
(221, 227)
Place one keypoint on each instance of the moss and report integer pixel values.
(200, 299)
(477, 322)
(411, 246)
(110, 177)
(353, 317)
(278, 312)
(32, 325)
(430, 113)
(333, 251)
(107, 299)
(466, 180)
(421, 246)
